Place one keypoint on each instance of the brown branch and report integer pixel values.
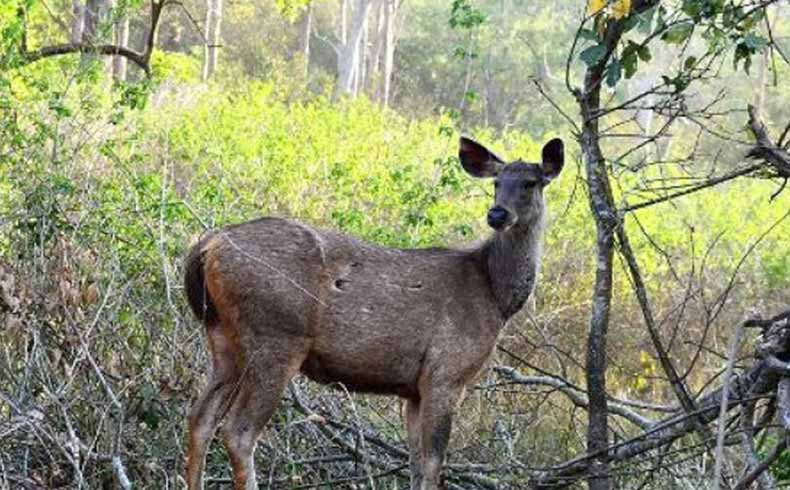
(153, 31)
(579, 399)
(703, 185)
(765, 149)
(758, 470)
(103, 49)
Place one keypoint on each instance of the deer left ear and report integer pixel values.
(553, 159)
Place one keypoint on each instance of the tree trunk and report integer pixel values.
(213, 39)
(350, 52)
(604, 213)
(77, 21)
(361, 77)
(121, 39)
(306, 31)
(390, 27)
(762, 81)
(343, 34)
(94, 13)
(378, 32)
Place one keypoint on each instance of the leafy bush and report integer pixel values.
(101, 196)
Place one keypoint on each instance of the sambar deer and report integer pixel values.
(279, 297)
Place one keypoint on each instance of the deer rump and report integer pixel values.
(375, 319)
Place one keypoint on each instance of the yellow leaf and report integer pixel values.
(644, 359)
(595, 6)
(620, 8)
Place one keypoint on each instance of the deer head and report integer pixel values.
(518, 185)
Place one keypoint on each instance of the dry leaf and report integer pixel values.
(7, 291)
(90, 295)
(13, 325)
(595, 6)
(621, 8)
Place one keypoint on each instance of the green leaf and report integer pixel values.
(592, 55)
(57, 106)
(614, 72)
(690, 62)
(742, 52)
(754, 42)
(751, 20)
(588, 34)
(692, 8)
(644, 53)
(678, 33)
(630, 62)
(631, 22)
(679, 83)
(646, 20)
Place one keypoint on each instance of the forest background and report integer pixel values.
(129, 127)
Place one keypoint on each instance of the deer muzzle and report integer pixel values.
(500, 218)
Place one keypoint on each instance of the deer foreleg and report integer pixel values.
(436, 417)
(413, 434)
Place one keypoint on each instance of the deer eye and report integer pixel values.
(528, 184)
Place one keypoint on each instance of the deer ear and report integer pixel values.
(477, 160)
(553, 159)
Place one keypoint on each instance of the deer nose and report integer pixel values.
(497, 217)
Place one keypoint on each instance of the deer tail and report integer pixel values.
(195, 285)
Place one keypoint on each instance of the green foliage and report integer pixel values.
(291, 9)
(464, 15)
(175, 67)
(721, 23)
(593, 54)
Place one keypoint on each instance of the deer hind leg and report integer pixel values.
(260, 391)
(436, 416)
(413, 435)
(206, 413)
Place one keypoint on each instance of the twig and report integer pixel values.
(704, 185)
(735, 342)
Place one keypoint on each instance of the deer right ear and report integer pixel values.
(477, 160)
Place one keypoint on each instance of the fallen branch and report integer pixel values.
(576, 397)
(759, 381)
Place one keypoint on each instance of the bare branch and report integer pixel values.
(104, 49)
(577, 398)
(765, 149)
(703, 185)
(757, 382)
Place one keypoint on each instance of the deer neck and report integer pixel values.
(513, 261)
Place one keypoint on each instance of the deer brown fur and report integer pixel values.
(279, 297)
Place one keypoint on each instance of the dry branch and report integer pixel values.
(759, 381)
(574, 395)
(765, 149)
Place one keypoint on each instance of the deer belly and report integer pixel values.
(365, 366)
